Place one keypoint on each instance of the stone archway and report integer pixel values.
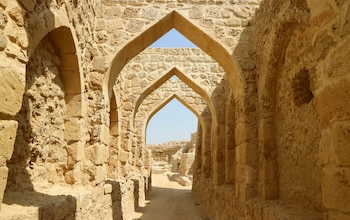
(206, 122)
(176, 72)
(175, 20)
(267, 86)
(53, 92)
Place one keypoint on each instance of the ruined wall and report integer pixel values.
(167, 157)
(281, 110)
(296, 65)
(39, 56)
(40, 148)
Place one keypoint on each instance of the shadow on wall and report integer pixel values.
(116, 197)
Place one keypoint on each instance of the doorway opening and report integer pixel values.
(171, 136)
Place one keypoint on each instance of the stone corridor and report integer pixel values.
(269, 84)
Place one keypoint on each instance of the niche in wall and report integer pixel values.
(301, 88)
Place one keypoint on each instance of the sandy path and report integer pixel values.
(169, 201)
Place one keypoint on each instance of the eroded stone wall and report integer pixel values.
(40, 154)
(278, 123)
(303, 41)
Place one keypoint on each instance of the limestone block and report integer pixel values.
(69, 62)
(239, 133)
(76, 151)
(105, 135)
(346, 27)
(114, 25)
(113, 161)
(332, 101)
(3, 42)
(124, 156)
(3, 18)
(71, 80)
(100, 174)
(341, 143)
(241, 12)
(72, 176)
(96, 78)
(114, 129)
(245, 154)
(266, 131)
(3, 181)
(150, 13)
(14, 51)
(335, 65)
(269, 171)
(100, 24)
(335, 188)
(74, 105)
(321, 12)
(234, 22)
(73, 130)
(28, 4)
(8, 131)
(15, 13)
(22, 38)
(97, 153)
(326, 152)
(270, 191)
(11, 91)
(112, 12)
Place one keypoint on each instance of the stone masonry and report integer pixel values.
(269, 84)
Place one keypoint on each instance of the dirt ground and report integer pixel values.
(169, 201)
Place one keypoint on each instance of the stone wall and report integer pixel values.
(300, 63)
(40, 148)
(270, 90)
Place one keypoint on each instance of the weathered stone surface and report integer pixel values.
(28, 4)
(3, 42)
(72, 176)
(8, 131)
(124, 156)
(98, 154)
(264, 131)
(3, 181)
(3, 18)
(330, 101)
(73, 129)
(76, 151)
(11, 91)
(336, 178)
(341, 143)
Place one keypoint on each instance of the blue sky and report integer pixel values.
(174, 121)
(173, 39)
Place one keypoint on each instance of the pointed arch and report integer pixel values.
(65, 43)
(176, 72)
(190, 31)
(182, 101)
(62, 34)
